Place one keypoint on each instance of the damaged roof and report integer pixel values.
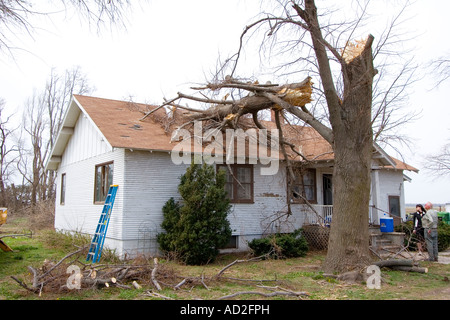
(121, 124)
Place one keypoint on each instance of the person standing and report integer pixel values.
(418, 228)
(430, 223)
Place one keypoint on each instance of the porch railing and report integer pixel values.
(324, 213)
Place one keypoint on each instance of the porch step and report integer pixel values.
(386, 244)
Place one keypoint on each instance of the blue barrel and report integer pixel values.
(387, 224)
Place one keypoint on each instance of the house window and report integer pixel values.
(394, 205)
(304, 186)
(62, 198)
(239, 183)
(232, 244)
(103, 179)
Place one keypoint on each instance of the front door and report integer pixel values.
(394, 209)
(327, 186)
(394, 205)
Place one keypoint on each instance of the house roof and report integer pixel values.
(119, 122)
(400, 165)
(121, 125)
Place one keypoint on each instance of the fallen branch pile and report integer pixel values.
(70, 273)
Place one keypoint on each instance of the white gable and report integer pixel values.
(79, 133)
(85, 142)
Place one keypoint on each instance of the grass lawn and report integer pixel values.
(295, 274)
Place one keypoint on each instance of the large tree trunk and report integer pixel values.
(353, 145)
(349, 235)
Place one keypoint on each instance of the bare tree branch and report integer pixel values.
(439, 164)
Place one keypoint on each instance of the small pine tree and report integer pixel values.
(197, 227)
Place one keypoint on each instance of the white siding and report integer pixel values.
(84, 151)
(79, 213)
(151, 179)
(86, 142)
(390, 184)
(268, 213)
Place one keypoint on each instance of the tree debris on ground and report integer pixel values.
(151, 276)
(361, 275)
(140, 273)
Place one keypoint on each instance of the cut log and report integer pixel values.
(154, 271)
(391, 263)
(136, 285)
(410, 269)
(401, 265)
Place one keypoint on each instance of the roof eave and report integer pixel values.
(65, 133)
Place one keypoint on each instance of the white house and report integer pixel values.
(104, 141)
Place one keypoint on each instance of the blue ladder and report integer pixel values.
(96, 247)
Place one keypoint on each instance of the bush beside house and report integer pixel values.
(197, 226)
(281, 245)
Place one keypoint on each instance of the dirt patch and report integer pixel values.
(439, 294)
(444, 257)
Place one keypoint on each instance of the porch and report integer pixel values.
(318, 214)
(318, 218)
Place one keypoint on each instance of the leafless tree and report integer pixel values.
(7, 154)
(439, 163)
(42, 119)
(339, 72)
(34, 126)
(440, 68)
(58, 92)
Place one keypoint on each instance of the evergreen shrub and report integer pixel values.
(281, 245)
(197, 226)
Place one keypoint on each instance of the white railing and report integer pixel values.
(318, 214)
(322, 214)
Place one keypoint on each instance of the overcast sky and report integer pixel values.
(169, 45)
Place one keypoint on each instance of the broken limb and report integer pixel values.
(281, 292)
(240, 261)
(155, 282)
(297, 93)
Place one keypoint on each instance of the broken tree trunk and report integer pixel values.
(353, 147)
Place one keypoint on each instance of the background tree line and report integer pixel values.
(28, 136)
